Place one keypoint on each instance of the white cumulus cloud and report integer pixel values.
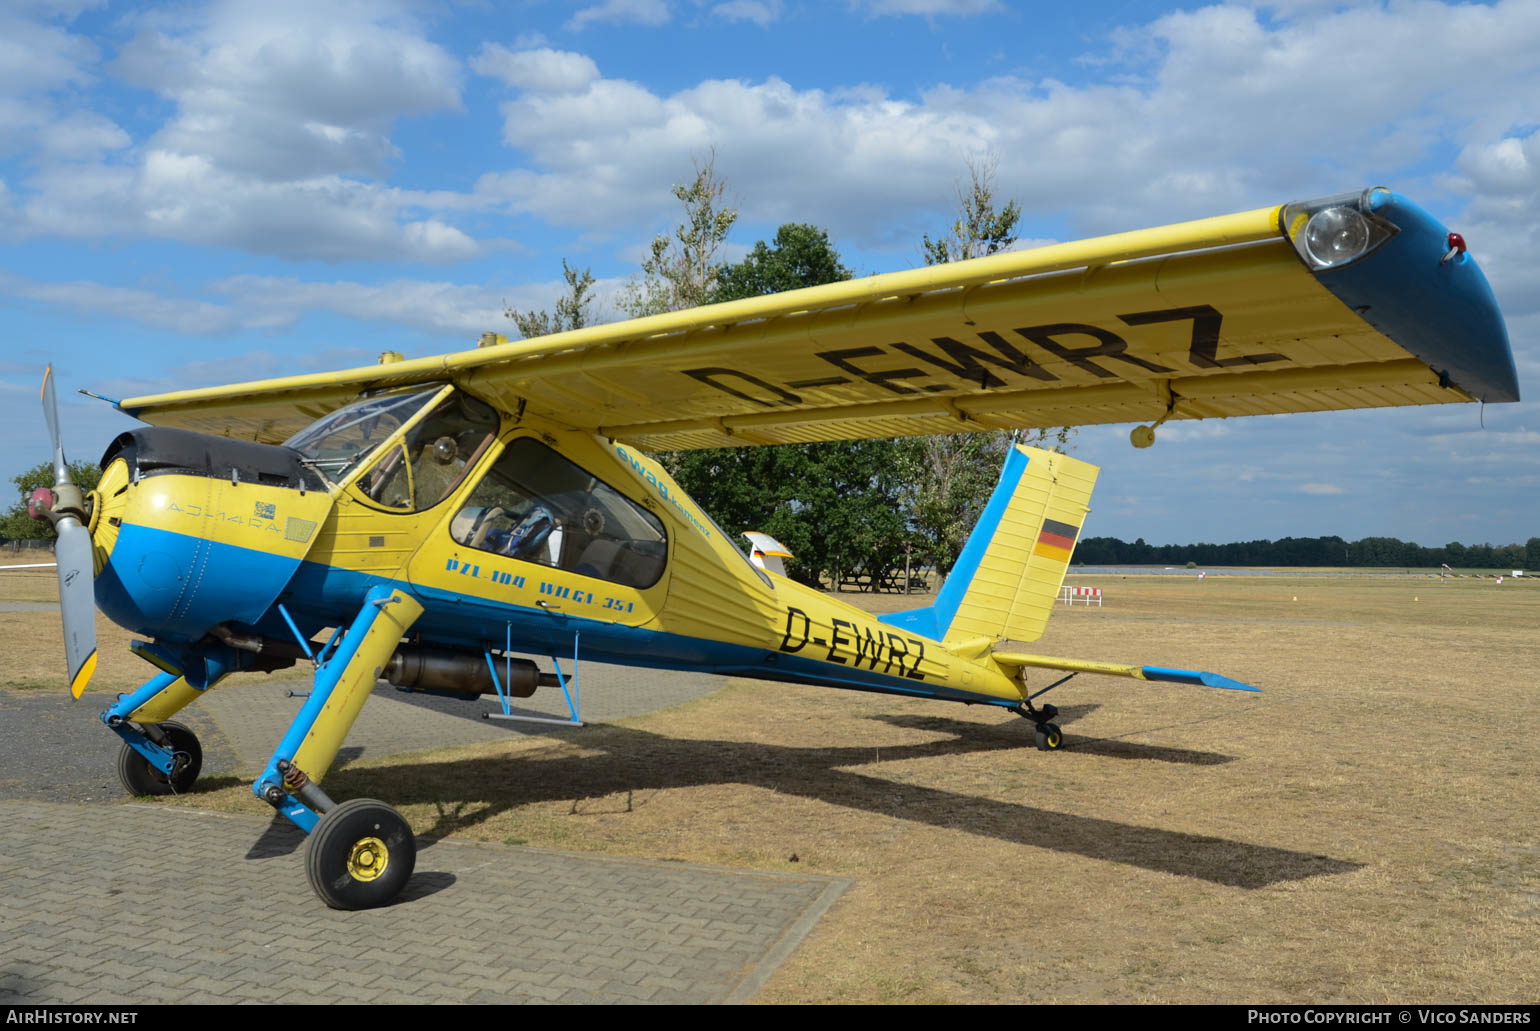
(760, 12)
(926, 6)
(541, 70)
(277, 143)
(641, 12)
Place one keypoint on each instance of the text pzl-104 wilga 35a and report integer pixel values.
(445, 513)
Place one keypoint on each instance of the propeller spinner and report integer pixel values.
(64, 505)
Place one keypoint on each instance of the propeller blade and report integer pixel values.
(77, 601)
(51, 412)
(77, 591)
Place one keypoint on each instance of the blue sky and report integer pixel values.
(198, 193)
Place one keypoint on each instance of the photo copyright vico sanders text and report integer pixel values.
(1396, 1016)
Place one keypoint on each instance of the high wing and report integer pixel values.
(1355, 301)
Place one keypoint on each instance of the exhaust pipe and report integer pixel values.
(413, 667)
(463, 673)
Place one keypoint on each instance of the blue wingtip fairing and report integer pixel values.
(1192, 676)
(1439, 308)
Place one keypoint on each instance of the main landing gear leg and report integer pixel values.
(360, 853)
(159, 757)
(1049, 737)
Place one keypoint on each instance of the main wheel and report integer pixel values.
(1049, 737)
(360, 855)
(140, 778)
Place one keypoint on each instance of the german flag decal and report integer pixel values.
(1056, 540)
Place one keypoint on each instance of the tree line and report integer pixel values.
(1310, 551)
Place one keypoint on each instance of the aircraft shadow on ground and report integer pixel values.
(638, 761)
(279, 839)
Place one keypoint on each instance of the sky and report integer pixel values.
(210, 192)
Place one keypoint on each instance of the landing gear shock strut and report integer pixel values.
(361, 852)
(1049, 736)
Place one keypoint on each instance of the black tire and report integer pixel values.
(140, 778)
(360, 855)
(1049, 737)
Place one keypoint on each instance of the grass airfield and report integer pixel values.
(1362, 831)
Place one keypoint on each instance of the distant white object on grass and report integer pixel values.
(1068, 594)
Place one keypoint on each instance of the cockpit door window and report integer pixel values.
(537, 506)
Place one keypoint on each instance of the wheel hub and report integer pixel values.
(368, 859)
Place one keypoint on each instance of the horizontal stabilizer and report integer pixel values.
(1188, 676)
(1014, 661)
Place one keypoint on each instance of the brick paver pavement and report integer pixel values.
(142, 904)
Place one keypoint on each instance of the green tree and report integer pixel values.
(682, 270)
(800, 256)
(16, 524)
(835, 505)
(947, 483)
(979, 229)
(571, 311)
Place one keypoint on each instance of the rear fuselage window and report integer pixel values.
(537, 506)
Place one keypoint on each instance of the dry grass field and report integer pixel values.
(1363, 831)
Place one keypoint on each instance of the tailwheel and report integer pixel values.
(360, 855)
(140, 778)
(1049, 737)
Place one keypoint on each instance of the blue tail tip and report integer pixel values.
(1192, 676)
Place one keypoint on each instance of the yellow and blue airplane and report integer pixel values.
(425, 521)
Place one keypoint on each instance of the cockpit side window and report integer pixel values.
(431, 459)
(535, 505)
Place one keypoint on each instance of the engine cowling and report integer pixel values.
(190, 530)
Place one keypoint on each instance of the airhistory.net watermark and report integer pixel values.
(45, 1015)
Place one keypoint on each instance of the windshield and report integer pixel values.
(338, 442)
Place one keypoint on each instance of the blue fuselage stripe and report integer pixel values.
(320, 595)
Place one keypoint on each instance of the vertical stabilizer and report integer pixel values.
(1007, 578)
